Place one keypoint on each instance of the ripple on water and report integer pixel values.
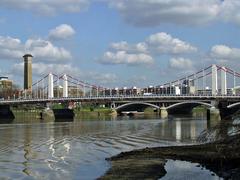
(77, 149)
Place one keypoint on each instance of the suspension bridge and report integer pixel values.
(215, 87)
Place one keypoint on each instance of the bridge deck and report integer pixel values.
(152, 98)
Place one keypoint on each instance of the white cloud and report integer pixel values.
(125, 53)
(137, 80)
(10, 48)
(230, 11)
(124, 46)
(143, 13)
(101, 78)
(46, 51)
(155, 12)
(183, 12)
(63, 31)
(49, 7)
(11, 43)
(225, 52)
(164, 43)
(122, 57)
(180, 63)
(43, 50)
(41, 69)
(143, 52)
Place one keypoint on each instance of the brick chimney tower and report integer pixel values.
(27, 72)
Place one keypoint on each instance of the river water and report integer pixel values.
(77, 150)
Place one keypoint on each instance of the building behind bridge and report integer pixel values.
(5, 83)
(73, 91)
(236, 90)
(124, 91)
(7, 89)
(151, 90)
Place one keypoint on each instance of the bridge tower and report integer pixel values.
(50, 86)
(27, 72)
(65, 86)
(214, 80)
(223, 81)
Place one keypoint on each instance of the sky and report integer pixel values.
(117, 43)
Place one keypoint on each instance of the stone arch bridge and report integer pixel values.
(217, 105)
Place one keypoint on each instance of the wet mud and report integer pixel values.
(221, 156)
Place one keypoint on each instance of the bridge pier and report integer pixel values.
(213, 117)
(63, 115)
(226, 112)
(57, 115)
(213, 114)
(6, 115)
(163, 112)
(113, 105)
(114, 112)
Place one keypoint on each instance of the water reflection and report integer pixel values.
(186, 170)
(78, 149)
(178, 131)
(181, 129)
(27, 151)
(193, 130)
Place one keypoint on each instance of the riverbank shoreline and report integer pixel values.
(221, 157)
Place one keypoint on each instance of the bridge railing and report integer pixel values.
(117, 97)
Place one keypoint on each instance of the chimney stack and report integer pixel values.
(27, 72)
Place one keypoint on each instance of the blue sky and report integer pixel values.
(119, 43)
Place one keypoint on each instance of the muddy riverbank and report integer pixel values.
(221, 157)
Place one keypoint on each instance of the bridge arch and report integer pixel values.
(190, 102)
(136, 103)
(233, 105)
